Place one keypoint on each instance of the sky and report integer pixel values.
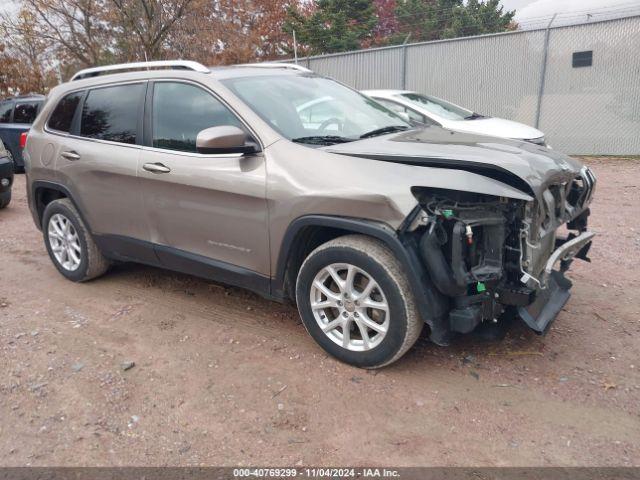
(537, 13)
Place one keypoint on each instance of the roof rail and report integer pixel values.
(162, 64)
(291, 66)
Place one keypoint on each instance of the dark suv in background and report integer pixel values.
(6, 176)
(16, 116)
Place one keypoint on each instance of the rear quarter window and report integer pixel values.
(111, 113)
(25, 112)
(62, 116)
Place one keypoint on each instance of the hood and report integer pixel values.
(498, 127)
(523, 165)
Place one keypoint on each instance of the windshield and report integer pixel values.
(314, 110)
(438, 106)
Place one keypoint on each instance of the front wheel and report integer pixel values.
(356, 303)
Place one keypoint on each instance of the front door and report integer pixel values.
(201, 208)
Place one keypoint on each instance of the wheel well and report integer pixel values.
(306, 240)
(43, 197)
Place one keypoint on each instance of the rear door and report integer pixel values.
(209, 206)
(98, 160)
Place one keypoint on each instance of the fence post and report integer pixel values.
(543, 73)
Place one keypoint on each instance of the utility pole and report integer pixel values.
(295, 47)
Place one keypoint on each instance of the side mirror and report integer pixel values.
(224, 139)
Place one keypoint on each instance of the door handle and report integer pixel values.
(156, 168)
(71, 155)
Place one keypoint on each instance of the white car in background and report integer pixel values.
(428, 110)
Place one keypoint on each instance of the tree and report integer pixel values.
(233, 31)
(75, 29)
(334, 25)
(25, 60)
(437, 19)
(480, 17)
(143, 26)
(387, 25)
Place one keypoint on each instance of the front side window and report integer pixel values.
(25, 112)
(111, 113)
(437, 106)
(312, 109)
(62, 116)
(5, 111)
(181, 111)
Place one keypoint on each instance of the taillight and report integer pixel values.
(23, 139)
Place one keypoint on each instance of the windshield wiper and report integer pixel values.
(322, 140)
(474, 116)
(383, 130)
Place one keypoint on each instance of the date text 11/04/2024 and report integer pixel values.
(316, 472)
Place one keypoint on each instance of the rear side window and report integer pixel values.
(5, 111)
(112, 113)
(62, 116)
(181, 111)
(25, 112)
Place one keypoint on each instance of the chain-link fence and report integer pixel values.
(526, 76)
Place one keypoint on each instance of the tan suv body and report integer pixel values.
(273, 178)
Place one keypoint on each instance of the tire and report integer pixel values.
(16, 168)
(368, 259)
(86, 261)
(5, 199)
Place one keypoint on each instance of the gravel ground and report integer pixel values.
(147, 367)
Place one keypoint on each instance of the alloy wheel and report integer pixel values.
(350, 307)
(64, 242)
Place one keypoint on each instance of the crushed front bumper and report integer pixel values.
(567, 251)
(554, 293)
(545, 308)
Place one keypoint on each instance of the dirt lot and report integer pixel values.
(223, 377)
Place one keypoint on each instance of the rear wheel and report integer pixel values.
(69, 243)
(356, 303)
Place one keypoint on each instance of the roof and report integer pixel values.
(186, 65)
(235, 71)
(95, 77)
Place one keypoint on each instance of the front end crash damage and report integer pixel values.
(493, 257)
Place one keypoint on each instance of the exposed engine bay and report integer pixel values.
(494, 255)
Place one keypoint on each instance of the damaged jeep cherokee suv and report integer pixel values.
(299, 188)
